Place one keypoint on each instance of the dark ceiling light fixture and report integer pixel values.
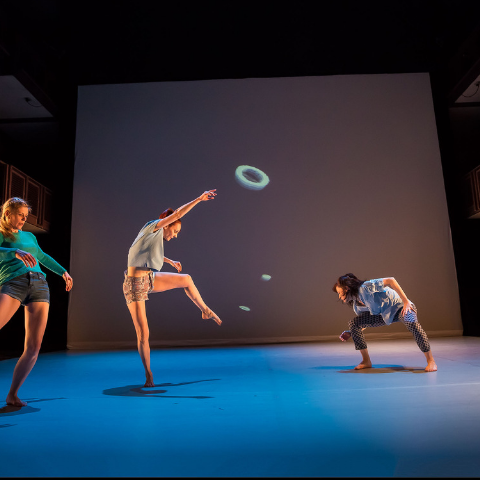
(32, 103)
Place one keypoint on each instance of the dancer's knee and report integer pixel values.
(413, 325)
(32, 350)
(187, 280)
(143, 335)
(352, 325)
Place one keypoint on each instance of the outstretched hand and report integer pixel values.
(345, 336)
(207, 195)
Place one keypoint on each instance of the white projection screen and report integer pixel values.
(355, 185)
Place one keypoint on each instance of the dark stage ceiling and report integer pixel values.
(107, 41)
(49, 47)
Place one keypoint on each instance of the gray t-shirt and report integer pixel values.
(147, 249)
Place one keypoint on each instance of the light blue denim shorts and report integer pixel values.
(27, 288)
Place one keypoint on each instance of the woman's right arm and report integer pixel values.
(9, 253)
(6, 253)
(180, 212)
(27, 258)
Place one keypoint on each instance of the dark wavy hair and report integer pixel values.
(353, 283)
(167, 213)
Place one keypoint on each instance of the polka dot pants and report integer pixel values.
(365, 319)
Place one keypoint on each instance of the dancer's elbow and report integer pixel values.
(389, 281)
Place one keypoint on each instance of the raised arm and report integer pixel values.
(181, 211)
(394, 285)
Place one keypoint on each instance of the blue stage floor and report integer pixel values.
(292, 410)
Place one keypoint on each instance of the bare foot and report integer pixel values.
(363, 365)
(211, 314)
(431, 367)
(149, 381)
(15, 401)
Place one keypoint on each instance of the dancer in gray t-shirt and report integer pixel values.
(143, 276)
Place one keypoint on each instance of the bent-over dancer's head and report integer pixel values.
(347, 288)
(172, 230)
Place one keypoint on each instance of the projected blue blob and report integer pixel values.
(251, 177)
(266, 277)
(244, 308)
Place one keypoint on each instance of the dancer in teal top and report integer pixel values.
(11, 267)
(22, 282)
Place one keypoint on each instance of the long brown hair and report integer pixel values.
(350, 281)
(12, 205)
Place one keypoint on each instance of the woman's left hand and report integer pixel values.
(207, 195)
(68, 280)
(177, 265)
(407, 307)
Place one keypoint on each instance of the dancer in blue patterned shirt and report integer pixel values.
(377, 303)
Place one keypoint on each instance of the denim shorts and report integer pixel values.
(27, 288)
(136, 289)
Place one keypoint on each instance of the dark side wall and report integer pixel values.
(51, 164)
(458, 132)
(465, 129)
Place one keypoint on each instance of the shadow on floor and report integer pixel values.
(140, 391)
(10, 410)
(333, 367)
(378, 368)
(386, 369)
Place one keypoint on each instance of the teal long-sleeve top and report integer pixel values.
(11, 266)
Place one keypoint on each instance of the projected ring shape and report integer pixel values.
(251, 177)
(244, 308)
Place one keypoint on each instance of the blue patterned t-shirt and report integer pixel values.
(378, 300)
